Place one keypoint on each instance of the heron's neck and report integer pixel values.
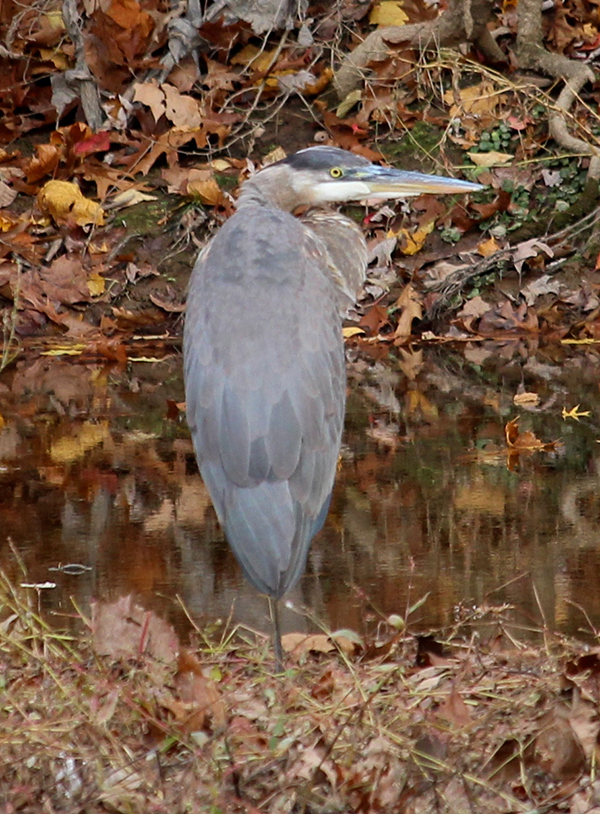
(266, 190)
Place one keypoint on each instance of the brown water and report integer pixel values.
(94, 473)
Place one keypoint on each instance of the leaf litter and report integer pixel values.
(168, 100)
(124, 718)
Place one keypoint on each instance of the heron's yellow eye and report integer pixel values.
(336, 172)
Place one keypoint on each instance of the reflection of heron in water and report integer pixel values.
(264, 359)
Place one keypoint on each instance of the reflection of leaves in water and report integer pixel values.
(526, 441)
(10, 344)
(74, 446)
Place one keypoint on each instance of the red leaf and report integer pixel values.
(98, 143)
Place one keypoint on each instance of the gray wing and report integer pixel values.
(265, 389)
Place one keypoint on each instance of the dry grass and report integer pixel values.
(402, 725)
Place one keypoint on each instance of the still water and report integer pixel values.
(97, 470)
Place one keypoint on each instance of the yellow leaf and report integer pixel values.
(245, 55)
(491, 159)
(574, 413)
(255, 58)
(57, 58)
(320, 83)
(475, 100)
(76, 350)
(348, 333)
(148, 359)
(264, 61)
(64, 201)
(96, 284)
(488, 247)
(220, 164)
(202, 184)
(55, 20)
(388, 12)
(7, 222)
(412, 242)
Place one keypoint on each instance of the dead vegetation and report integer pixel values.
(125, 131)
(121, 718)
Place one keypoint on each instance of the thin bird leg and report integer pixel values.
(274, 610)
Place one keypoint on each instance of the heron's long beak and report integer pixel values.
(387, 183)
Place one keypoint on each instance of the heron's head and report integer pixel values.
(327, 174)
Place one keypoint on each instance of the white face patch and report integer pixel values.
(331, 191)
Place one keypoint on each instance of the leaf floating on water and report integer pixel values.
(525, 441)
(526, 399)
(575, 413)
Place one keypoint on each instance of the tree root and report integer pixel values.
(466, 21)
(463, 21)
(532, 55)
(77, 83)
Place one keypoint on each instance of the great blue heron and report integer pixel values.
(264, 359)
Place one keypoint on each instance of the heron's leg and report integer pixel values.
(274, 610)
